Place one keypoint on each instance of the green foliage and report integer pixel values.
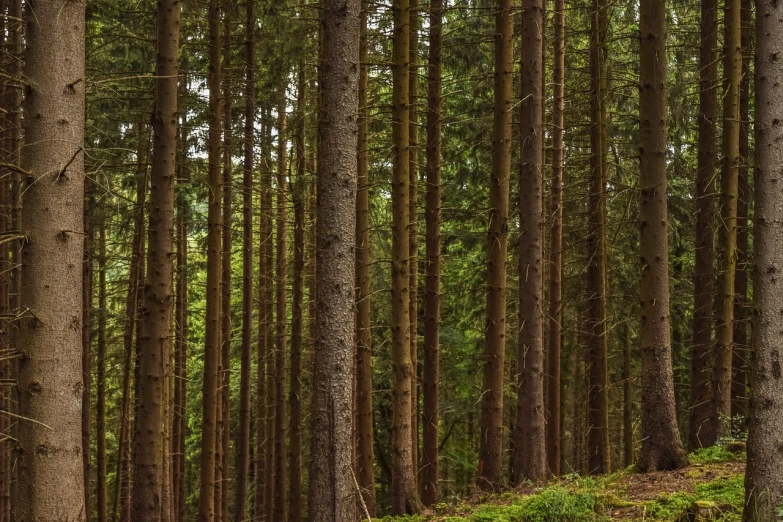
(724, 491)
(713, 455)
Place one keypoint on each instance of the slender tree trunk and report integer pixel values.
(295, 393)
(271, 391)
(491, 438)
(212, 347)
(530, 438)
(431, 373)
(627, 400)
(365, 455)
(740, 352)
(597, 339)
(100, 415)
(281, 319)
(703, 282)
(156, 318)
(243, 441)
(764, 473)
(413, 229)
(332, 491)
(403, 475)
(88, 276)
(51, 474)
(553, 446)
(661, 446)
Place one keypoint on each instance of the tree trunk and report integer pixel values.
(627, 400)
(403, 475)
(727, 229)
(100, 414)
(491, 439)
(431, 372)
(88, 276)
(740, 352)
(661, 446)
(530, 438)
(156, 318)
(281, 319)
(212, 347)
(270, 336)
(365, 455)
(332, 491)
(413, 229)
(51, 475)
(703, 285)
(553, 446)
(764, 473)
(243, 441)
(597, 339)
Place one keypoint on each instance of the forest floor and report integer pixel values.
(710, 489)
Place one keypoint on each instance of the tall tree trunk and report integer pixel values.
(703, 282)
(431, 372)
(51, 475)
(281, 319)
(661, 445)
(530, 437)
(764, 473)
(491, 439)
(100, 415)
(270, 335)
(413, 229)
(403, 475)
(88, 276)
(156, 317)
(627, 400)
(553, 446)
(365, 455)
(212, 347)
(243, 441)
(299, 193)
(740, 352)
(597, 339)
(727, 228)
(332, 491)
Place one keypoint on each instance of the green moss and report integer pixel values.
(714, 455)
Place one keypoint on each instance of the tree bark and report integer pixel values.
(553, 446)
(627, 400)
(530, 437)
(88, 277)
(431, 372)
(490, 471)
(50, 380)
(100, 414)
(661, 446)
(332, 491)
(413, 229)
(703, 282)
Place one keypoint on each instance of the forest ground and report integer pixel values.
(711, 488)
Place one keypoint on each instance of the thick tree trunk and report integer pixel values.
(661, 446)
(100, 415)
(51, 476)
(332, 494)
(553, 446)
(212, 347)
(703, 282)
(243, 440)
(764, 474)
(490, 471)
(597, 339)
(413, 229)
(727, 228)
(365, 455)
(156, 317)
(530, 437)
(431, 372)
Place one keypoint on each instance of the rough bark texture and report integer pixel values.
(490, 471)
(530, 436)
(332, 494)
(627, 400)
(156, 314)
(365, 454)
(206, 511)
(727, 225)
(51, 477)
(703, 281)
(553, 426)
(431, 371)
(764, 473)
(661, 446)
(597, 339)
(413, 230)
(100, 414)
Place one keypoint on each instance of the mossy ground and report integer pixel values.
(715, 477)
